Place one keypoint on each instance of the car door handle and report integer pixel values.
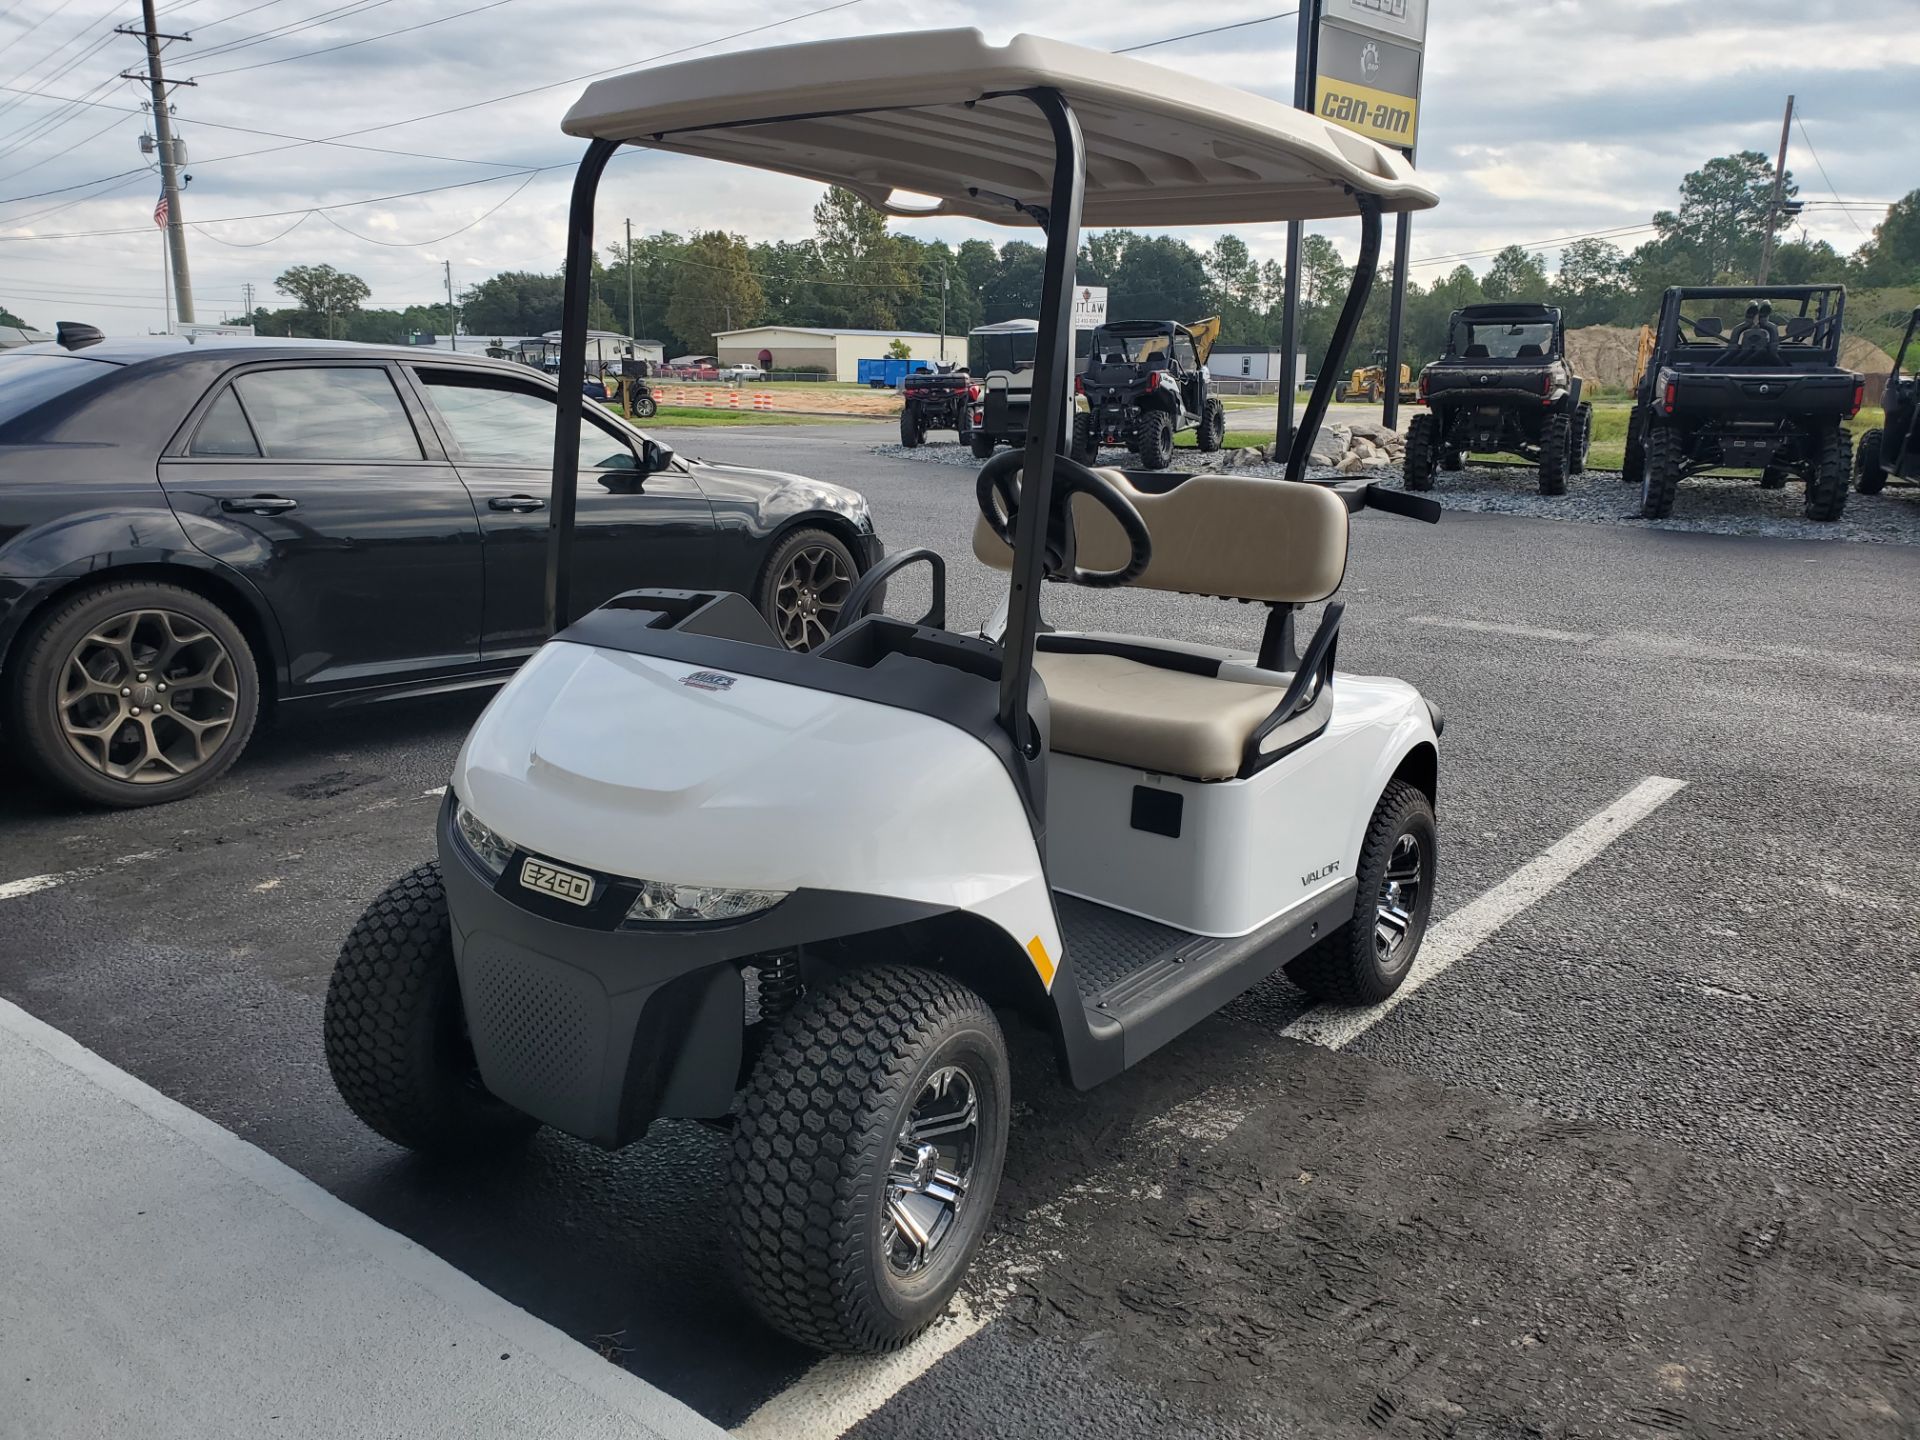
(520, 503)
(258, 505)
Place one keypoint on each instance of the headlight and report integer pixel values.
(491, 850)
(663, 900)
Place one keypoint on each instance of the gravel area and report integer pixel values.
(1707, 504)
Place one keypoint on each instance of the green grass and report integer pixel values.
(1609, 446)
(1234, 440)
(686, 417)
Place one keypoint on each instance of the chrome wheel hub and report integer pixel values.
(1398, 901)
(932, 1167)
(147, 696)
(808, 595)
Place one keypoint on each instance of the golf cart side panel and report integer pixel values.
(1238, 860)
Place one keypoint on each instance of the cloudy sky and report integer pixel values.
(1542, 118)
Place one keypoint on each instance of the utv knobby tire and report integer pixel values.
(1774, 477)
(1345, 967)
(813, 1142)
(1452, 458)
(32, 708)
(1154, 442)
(982, 445)
(1635, 459)
(1416, 464)
(1582, 439)
(1660, 473)
(912, 433)
(1085, 448)
(1556, 453)
(1869, 472)
(396, 1036)
(1827, 481)
(1212, 433)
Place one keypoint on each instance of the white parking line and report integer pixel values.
(842, 1390)
(1500, 627)
(34, 884)
(1463, 931)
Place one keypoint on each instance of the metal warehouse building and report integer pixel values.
(839, 352)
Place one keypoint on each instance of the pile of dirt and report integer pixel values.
(1605, 355)
(803, 399)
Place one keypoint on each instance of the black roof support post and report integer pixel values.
(573, 379)
(1349, 321)
(1048, 416)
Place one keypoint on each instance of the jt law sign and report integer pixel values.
(1367, 78)
(1089, 307)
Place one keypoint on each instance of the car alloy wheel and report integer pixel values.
(808, 596)
(932, 1167)
(1398, 903)
(147, 696)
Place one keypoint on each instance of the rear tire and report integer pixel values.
(1154, 443)
(1367, 958)
(981, 444)
(1827, 483)
(1213, 426)
(1582, 440)
(1869, 473)
(1774, 477)
(1556, 451)
(78, 702)
(1635, 460)
(645, 408)
(395, 1032)
(1416, 465)
(911, 435)
(1660, 474)
(1083, 448)
(819, 1159)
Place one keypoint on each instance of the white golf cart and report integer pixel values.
(684, 871)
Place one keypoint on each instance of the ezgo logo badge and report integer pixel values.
(707, 680)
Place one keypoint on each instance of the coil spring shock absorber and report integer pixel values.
(779, 984)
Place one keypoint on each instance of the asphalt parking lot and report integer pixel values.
(1640, 1162)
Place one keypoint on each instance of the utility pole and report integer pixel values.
(943, 308)
(1779, 188)
(246, 291)
(632, 334)
(1303, 66)
(453, 320)
(169, 156)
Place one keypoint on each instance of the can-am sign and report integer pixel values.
(1368, 74)
(1089, 307)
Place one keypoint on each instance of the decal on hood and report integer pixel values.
(707, 680)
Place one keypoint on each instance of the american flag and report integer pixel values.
(160, 211)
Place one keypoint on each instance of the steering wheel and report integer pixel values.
(998, 493)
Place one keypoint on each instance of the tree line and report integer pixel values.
(853, 271)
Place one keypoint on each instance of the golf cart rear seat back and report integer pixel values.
(666, 815)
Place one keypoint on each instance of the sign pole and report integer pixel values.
(1303, 62)
(1396, 306)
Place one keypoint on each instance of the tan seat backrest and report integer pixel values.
(1231, 535)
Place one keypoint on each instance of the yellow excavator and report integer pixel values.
(1369, 383)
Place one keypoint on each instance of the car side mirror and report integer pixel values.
(654, 456)
(1707, 326)
(1801, 326)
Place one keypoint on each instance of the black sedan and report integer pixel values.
(188, 529)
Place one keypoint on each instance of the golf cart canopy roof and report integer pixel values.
(1142, 327)
(1507, 310)
(931, 123)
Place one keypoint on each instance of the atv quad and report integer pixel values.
(1765, 394)
(937, 400)
(1503, 387)
(1893, 449)
(1145, 382)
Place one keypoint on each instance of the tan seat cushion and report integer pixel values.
(1106, 707)
(1235, 535)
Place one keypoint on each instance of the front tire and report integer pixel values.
(1213, 426)
(806, 581)
(645, 407)
(1367, 958)
(1869, 470)
(982, 445)
(1827, 482)
(1774, 477)
(1660, 474)
(911, 434)
(1416, 464)
(1635, 460)
(866, 1155)
(1084, 448)
(1582, 440)
(395, 1031)
(134, 693)
(1556, 454)
(1154, 442)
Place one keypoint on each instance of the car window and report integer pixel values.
(27, 381)
(505, 424)
(328, 412)
(225, 431)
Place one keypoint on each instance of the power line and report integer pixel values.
(415, 244)
(1537, 244)
(237, 14)
(293, 27)
(1801, 120)
(350, 44)
(1215, 30)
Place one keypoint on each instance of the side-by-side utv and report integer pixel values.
(1894, 448)
(1145, 382)
(685, 871)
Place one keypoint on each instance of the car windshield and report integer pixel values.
(28, 381)
(1503, 340)
(1112, 349)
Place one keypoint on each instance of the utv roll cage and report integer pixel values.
(1817, 314)
(950, 125)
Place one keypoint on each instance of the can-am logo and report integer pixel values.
(707, 680)
(1370, 60)
(1332, 867)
